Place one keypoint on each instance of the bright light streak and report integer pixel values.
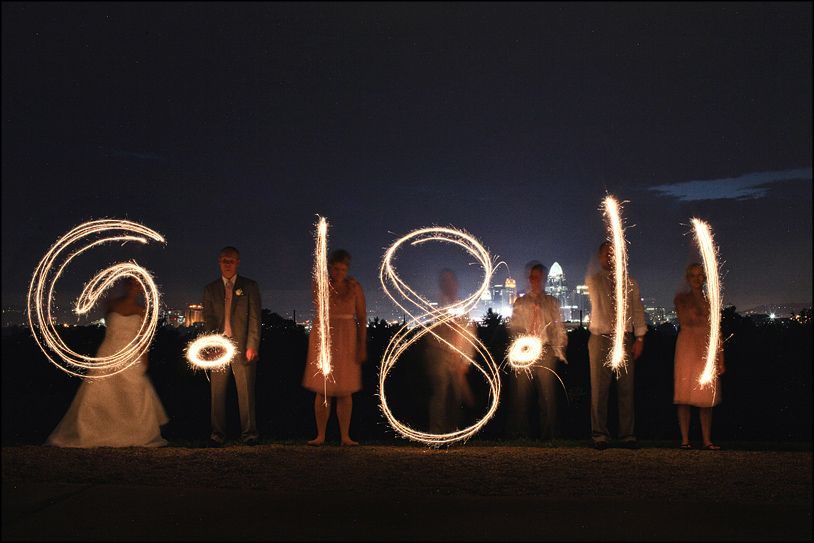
(525, 351)
(41, 295)
(195, 350)
(616, 357)
(430, 318)
(322, 299)
(709, 254)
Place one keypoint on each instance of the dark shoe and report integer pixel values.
(632, 444)
(251, 442)
(600, 445)
(214, 444)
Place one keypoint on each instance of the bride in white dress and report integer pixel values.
(122, 410)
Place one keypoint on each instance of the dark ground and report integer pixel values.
(480, 490)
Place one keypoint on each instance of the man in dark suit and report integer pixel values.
(231, 306)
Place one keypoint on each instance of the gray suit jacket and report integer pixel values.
(245, 312)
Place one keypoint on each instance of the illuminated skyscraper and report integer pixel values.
(194, 314)
(557, 286)
(582, 303)
(502, 297)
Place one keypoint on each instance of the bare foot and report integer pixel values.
(316, 442)
(349, 442)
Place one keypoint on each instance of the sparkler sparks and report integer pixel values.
(41, 294)
(616, 357)
(211, 342)
(709, 254)
(321, 281)
(525, 351)
(430, 318)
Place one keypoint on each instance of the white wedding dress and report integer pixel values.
(122, 410)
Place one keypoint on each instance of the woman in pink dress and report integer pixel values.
(692, 308)
(348, 326)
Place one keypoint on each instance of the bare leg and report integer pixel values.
(706, 424)
(684, 423)
(322, 410)
(344, 407)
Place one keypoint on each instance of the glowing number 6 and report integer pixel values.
(42, 287)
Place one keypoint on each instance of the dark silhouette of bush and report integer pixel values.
(766, 388)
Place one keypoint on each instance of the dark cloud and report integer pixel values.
(747, 186)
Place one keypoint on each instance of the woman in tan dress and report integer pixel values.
(692, 308)
(348, 325)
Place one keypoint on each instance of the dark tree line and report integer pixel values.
(766, 389)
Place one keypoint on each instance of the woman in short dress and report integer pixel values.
(348, 328)
(692, 308)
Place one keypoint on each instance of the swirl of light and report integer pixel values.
(709, 255)
(322, 283)
(430, 318)
(209, 342)
(42, 287)
(616, 356)
(525, 351)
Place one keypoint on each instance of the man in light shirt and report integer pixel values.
(600, 289)
(536, 313)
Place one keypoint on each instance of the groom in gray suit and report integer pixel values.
(231, 306)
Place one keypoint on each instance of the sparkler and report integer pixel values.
(709, 254)
(430, 318)
(525, 351)
(616, 356)
(195, 350)
(322, 298)
(41, 294)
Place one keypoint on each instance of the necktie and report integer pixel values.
(227, 310)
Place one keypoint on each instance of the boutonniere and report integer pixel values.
(239, 292)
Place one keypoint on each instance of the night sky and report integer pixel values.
(235, 124)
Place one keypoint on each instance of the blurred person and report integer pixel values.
(348, 325)
(447, 363)
(692, 308)
(538, 314)
(122, 410)
(601, 291)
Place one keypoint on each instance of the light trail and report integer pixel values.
(429, 318)
(709, 254)
(612, 210)
(41, 291)
(211, 342)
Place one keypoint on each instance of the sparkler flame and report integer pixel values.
(211, 341)
(41, 294)
(430, 318)
(322, 298)
(709, 254)
(617, 357)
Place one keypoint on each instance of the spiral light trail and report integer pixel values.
(43, 284)
(211, 342)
